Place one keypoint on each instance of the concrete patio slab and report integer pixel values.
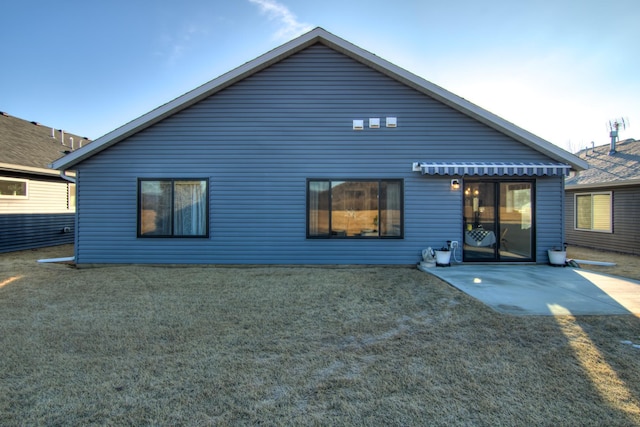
(543, 289)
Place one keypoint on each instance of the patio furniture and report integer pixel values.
(479, 237)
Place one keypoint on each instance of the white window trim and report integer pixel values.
(8, 196)
(71, 206)
(575, 212)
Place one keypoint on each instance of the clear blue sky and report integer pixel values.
(560, 69)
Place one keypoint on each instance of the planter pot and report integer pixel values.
(443, 258)
(557, 257)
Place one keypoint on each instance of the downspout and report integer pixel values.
(563, 227)
(63, 175)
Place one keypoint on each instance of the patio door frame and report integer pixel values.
(497, 226)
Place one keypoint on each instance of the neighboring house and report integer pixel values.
(602, 204)
(37, 206)
(317, 152)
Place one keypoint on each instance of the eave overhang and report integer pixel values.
(8, 167)
(320, 35)
(602, 185)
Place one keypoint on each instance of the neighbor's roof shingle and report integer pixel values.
(24, 143)
(622, 167)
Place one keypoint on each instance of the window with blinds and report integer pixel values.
(593, 211)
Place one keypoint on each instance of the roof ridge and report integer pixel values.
(319, 35)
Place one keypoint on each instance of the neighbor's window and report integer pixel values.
(173, 208)
(12, 188)
(71, 196)
(358, 208)
(593, 211)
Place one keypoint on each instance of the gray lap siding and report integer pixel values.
(625, 234)
(259, 140)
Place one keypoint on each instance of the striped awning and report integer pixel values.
(494, 169)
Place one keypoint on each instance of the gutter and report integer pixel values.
(26, 169)
(605, 184)
(63, 175)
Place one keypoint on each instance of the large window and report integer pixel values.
(593, 211)
(11, 188)
(173, 208)
(356, 208)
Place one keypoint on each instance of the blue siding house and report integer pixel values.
(317, 152)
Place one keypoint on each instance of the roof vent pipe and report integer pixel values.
(62, 136)
(614, 136)
(71, 139)
(614, 127)
(53, 134)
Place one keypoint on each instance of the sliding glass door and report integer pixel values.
(498, 220)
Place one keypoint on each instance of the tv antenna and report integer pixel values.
(614, 126)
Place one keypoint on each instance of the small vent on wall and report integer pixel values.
(392, 122)
(374, 123)
(358, 124)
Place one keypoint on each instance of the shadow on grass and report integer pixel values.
(392, 346)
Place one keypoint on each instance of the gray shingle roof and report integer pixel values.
(622, 167)
(30, 144)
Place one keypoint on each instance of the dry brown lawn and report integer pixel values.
(139, 345)
(626, 265)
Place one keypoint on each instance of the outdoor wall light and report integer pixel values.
(455, 184)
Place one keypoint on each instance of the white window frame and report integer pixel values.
(17, 196)
(591, 194)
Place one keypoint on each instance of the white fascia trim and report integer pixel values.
(28, 169)
(187, 100)
(454, 101)
(349, 49)
(625, 183)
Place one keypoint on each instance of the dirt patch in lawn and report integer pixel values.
(285, 346)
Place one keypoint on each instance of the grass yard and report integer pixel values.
(204, 346)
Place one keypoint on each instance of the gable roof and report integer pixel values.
(320, 35)
(30, 147)
(605, 170)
